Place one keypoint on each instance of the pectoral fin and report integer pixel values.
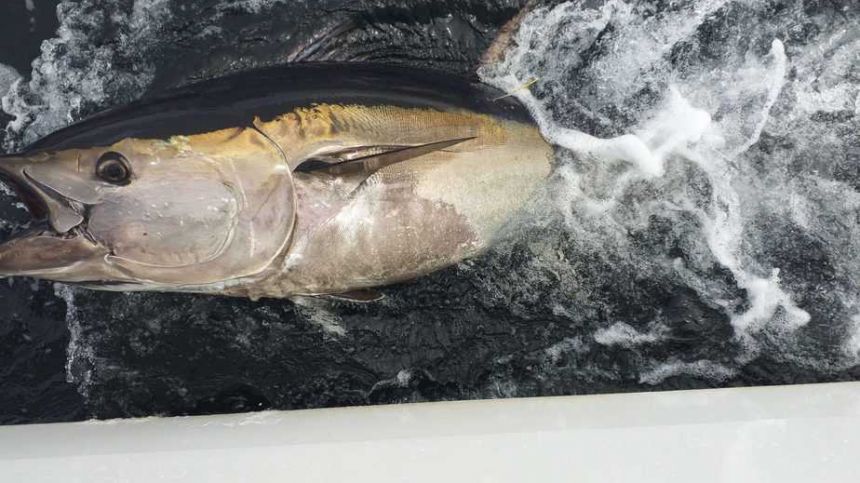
(363, 162)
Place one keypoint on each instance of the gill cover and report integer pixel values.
(221, 206)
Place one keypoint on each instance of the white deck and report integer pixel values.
(781, 434)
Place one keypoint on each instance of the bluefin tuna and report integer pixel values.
(302, 180)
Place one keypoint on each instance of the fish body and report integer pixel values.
(316, 179)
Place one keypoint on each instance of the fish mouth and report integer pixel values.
(34, 203)
(54, 244)
(41, 200)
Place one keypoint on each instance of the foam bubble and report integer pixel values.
(661, 122)
(556, 351)
(322, 314)
(6, 190)
(852, 345)
(621, 334)
(8, 76)
(75, 75)
(704, 369)
(80, 358)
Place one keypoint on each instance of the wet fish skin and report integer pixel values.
(227, 211)
(414, 217)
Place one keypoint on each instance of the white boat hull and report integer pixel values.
(782, 434)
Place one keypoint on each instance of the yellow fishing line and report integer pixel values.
(526, 85)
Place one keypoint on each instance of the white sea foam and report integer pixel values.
(852, 344)
(704, 115)
(624, 335)
(702, 369)
(557, 350)
(677, 128)
(80, 358)
(74, 73)
(321, 313)
(8, 76)
(403, 377)
(253, 6)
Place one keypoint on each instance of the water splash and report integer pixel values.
(701, 226)
(76, 75)
(852, 345)
(104, 54)
(623, 335)
(321, 313)
(702, 368)
(657, 124)
(80, 357)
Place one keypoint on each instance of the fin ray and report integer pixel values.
(359, 296)
(370, 164)
(359, 167)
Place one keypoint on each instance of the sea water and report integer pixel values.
(700, 227)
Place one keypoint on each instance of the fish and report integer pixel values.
(303, 180)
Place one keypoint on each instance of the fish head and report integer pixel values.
(185, 214)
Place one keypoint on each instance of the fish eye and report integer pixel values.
(113, 168)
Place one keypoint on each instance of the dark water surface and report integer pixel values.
(725, 256)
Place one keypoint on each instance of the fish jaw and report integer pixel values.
(66, 258)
